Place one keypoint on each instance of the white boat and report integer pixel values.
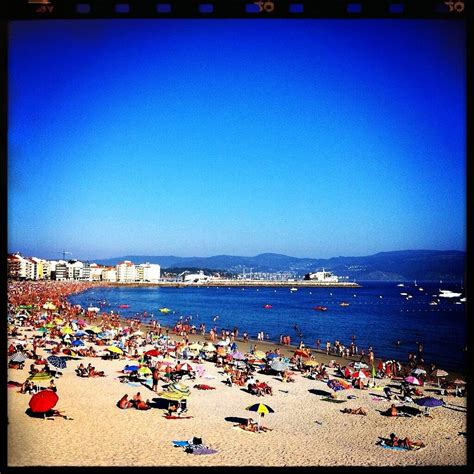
(420, 288)
(400, 284)
(293, 289)
(448, 294)
(404, 294)
(463, 300)
(433, 303)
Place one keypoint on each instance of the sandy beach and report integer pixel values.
(305, 429)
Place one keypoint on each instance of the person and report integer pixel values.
(392, 411)
(388, 392)
(156, 378)
(141, 405)
(52, 386)
(355, 411)
(124, 402)
(404, 443)
(249, 425)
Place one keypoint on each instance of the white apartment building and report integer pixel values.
(148, 272)
(324, 277)
(126, 272)
(95, 272)
(75, 269)
(18, 267)
(109, 274)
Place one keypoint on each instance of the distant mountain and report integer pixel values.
(446, 265)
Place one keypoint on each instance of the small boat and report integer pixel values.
(344, 303)
(448, 294)
(420, 288)
(463, 300)
(164, 310)
(124, 306)
(293, 289)
(400, 284)
(433, 303)
(404, 294)
(268, 306)
(320, 308)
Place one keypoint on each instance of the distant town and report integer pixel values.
(33, 268)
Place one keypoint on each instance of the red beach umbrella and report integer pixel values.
(43, 401)
(153, 353)
(184, 366)
(360, 374)
(301, 353)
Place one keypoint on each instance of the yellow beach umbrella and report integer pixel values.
(67, 330)
(310, 363)
(115, 349)
(173, 396)
(39, 376)
(58, 320)
(259, 354)
(49, 305)
(195, 346)
(144, 370)
(209, 348)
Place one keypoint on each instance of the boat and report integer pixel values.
(420, 288)
(448, 294)
(404, 294)
(124, 306)
(320, 308)
(433, 303)
(463, 300)
(293, 289)
(400, 284)
(268, 306)
(164, 310)
(343, 303)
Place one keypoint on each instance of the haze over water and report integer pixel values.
(377, 315)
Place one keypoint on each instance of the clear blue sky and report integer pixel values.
(196, 138)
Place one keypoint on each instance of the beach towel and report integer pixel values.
(201, 451)
(383, 444)
(333, 400)
(180, 444)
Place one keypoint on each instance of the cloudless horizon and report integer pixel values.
(309, 138)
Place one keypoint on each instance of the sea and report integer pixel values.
(378, 315)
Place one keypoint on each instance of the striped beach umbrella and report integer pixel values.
(173, 396)
(279, 365)
(259, 354)
(114, 349)
(18, 357)
(39, 376)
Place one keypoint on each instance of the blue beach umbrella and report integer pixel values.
(429, 402)
(77, 343)
(130, 368)
(272, 355)
(57, 362)
(80, 333)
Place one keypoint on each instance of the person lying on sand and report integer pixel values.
(250, 425)
(355, 411)
(404, 443)
(124, 402)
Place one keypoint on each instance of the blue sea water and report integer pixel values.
(377, 315)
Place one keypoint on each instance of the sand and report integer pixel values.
(306, 431)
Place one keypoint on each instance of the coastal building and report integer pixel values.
(109, 274)
(61, 271)
(148, 272)
(95, 273)
(37, 268)
(17, 267)
(194, 277)
(323, 277)
(126, 272)
(75, 268)
(86, 271)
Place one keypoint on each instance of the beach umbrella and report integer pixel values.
(412, 380)
(271, 356)
(130, 368)
(114, 349)
(144, 371)
(259, 354)
(233, 346)
(360, 374)
(221, 351)
(49, 306)
(178, 387)
(42, 330)
(222, 343)
(237, 355)
(261, 409)
(67, 330)
(429, 402)
(58, 320)
(80, 333)
(195, 346)
(279, 365)
(153, 353)
(43, 401)
(301, 353)
(18, 357)
(57, 362)
(185, 366)
(50, 325)
(208, 347)
(439, 373)
(459, 382)
(39, 376)
(418, 371)
(77, 343)
(173, 396)
(310, 363)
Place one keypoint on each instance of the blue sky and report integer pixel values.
(312, 138)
